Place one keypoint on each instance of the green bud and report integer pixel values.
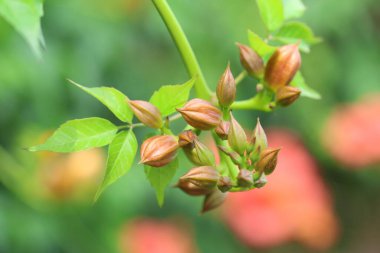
(147, 113)
(259, 140)
(199, 154)
(224, 184)
(261, 181)
(226, 89)
(237, 139)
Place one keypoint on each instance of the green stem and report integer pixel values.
(261, 102)
(241, 77)
(184, 47)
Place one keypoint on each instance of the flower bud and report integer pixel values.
(268, 160)
(245, 178)
(157, 151)
(199, 154)
(224, 184)
(187, 138)
(206, 177)
(222, 130)
(287, 95)
(201, 114)
(213, 200)
(192, 189)
(259, 140)
(251, 61)
(261, 181)
(235, 157)
(226, 89)
(282, 66)
(147, 113)
(237, 137)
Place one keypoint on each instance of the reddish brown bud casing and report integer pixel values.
(192, 189)
(213, 200)
(287, 95)
(245, 178)
(187, 138)
(282, 66)
(224, 184)
(268, 160)
(226, 89)
(205, 177)
(147, 113)
(251, 61)
(158, 151)
(222, 130)
(201, 114)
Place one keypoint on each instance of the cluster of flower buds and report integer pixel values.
(278, 72)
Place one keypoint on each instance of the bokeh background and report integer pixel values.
(323, 197)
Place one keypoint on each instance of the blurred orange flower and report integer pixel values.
(352, 133)
(154, 236)
(294, 205)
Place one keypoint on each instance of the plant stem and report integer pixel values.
(184, 47)
(171, 119)
(259, 102)
(241, 77)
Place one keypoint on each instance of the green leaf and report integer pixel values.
(170, 97)
(121, 154)
(113, 99)
(299, 82)
(293, 9)
(25, 16)
(160, 178)
(79, 134)
(293, 32)
(259, 45)
(272, 13)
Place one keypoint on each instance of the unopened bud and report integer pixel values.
(259, 140)
(287, 95)
(282, 66)
(187, 138)
(261, 181)
(226, 89)
(199, 154)
(224, 184)
(251, 61)
(237, 137)
(147, 113)
(213, 200)
(268, 160)
(244, 178)
(235, 157)
(206, 177)
(192, 189)
(222, 130)
(201, 114)
(157, 151)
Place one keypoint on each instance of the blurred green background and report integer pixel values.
(123, 43)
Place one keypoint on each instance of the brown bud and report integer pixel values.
(206, 177)
(186, 138)
(282, 66)
(157, 151)
(222, 130)
(287, 95)
(192, 189)
(251, 61)
(224, 184)
(199, 154)
(235, 157)
(259, 140)
(268, 160)
(261, 181)
(245, 178)
(201, 114)
(213, 200)
(226, 89)
(147, 113)
(237, 137)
